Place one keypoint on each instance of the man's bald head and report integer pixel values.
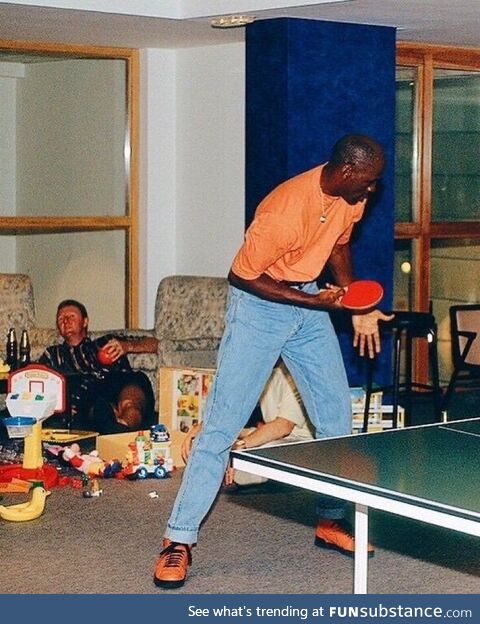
(358, 150)
(354, 168)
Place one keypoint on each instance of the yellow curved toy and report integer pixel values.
(26, 511)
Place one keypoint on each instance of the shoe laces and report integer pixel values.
(174, 553)
(340, 527)
(343, 529)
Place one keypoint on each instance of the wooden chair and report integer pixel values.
(465, 336)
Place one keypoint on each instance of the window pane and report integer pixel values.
(63, 125)
(456, 146)
(88, 266)
(404, 278)
(455, 266)
(405, 153)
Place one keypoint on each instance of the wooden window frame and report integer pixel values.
(129, 222)
(425, 58)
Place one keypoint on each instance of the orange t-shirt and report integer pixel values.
(287, 239)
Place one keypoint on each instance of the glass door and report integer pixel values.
(437, 228)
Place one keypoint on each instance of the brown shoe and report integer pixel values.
(171, 569)
(333, 534)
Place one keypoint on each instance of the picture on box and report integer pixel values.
(190, 395)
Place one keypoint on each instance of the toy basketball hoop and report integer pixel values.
(34, 393)
(39, 380)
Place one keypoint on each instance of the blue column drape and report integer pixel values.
(307, 84)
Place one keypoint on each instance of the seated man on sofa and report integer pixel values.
(104, 393)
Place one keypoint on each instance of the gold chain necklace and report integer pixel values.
(323, 216)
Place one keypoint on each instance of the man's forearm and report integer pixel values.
(267, 288)
(139, 345)
(340, 263)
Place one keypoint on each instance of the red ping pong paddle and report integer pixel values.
(362, 294)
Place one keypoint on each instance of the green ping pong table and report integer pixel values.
(429, 473)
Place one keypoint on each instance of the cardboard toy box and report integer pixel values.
(115, 445)
(182, 398)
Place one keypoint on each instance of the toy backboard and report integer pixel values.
(39, 379)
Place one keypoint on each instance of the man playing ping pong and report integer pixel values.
(276, 309)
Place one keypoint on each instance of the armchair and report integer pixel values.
(17, 302)
(189, 322)
(18, 310)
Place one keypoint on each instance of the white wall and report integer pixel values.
(157, 175)
(210, 158)
(192, 164)
(8, 91)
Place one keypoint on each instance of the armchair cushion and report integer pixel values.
(189, 319)
(40, 339)
(17, 302)
(190, 353)
(190, 307)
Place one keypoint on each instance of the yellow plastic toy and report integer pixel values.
(26, 511)
(35, 393)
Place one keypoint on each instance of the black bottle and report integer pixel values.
(11, 349)
(24, 350)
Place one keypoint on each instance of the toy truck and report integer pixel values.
(149, 456)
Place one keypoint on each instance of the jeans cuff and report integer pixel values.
(182, 536)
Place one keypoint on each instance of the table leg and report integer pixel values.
(361, 550)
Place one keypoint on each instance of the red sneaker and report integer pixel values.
(172, 567)
(333, 534)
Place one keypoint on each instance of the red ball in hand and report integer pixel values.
(104, 357)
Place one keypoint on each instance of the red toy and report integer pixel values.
(104, 356)
(90, 464)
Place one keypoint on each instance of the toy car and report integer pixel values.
(141, 471)
(149, 457)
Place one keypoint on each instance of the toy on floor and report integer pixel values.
(16, 486)
(93, 490)
(146, 456)
(35, 393)
(26, 511)
(149, 456)
(90, 464)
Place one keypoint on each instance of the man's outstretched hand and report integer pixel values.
(366, 333)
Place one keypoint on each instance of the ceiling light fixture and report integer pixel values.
(231, 21)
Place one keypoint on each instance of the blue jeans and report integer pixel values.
(256, 333)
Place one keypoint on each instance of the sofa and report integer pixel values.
(188, 322)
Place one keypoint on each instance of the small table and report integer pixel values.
(428, 473)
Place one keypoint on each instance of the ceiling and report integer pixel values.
(177, 24)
